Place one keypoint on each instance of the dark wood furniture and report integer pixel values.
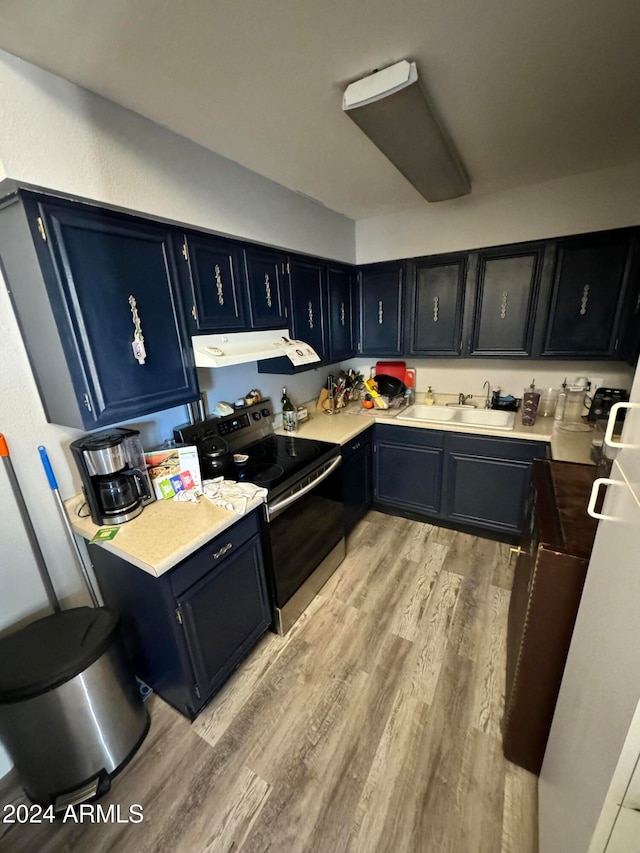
(549, 575)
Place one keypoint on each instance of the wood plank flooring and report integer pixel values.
(373, 726)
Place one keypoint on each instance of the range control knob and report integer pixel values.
(256, 416)
(265, 413)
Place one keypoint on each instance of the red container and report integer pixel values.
(391, 368)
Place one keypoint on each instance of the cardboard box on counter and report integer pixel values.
(173, 470)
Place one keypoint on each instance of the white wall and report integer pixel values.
(596, 201)
(55, 134)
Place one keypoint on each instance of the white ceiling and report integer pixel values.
(528, 90)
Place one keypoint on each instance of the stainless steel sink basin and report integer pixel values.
(463, 415)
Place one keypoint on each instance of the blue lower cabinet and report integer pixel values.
(189, 629)
(475, 481)
(357, 492)
(408, 466)
(487, 480)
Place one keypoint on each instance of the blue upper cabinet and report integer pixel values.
(307, 289)
(268, 301)
(340, 293)
(381, 295)
(591, 279)
(214, 273)
(504, 285)
(435, 305)
(88, 284)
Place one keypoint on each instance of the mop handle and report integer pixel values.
(48, 470)
(28, 526)
(46, 464)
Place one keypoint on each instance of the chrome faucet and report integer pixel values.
(462, 398)
(487, 402)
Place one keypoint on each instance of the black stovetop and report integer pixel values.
(278, 460)
(275, 461)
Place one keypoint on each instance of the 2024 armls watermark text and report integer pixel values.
(82, 813)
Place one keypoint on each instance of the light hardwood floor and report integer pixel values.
(373, 726)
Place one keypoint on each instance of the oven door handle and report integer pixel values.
(275, 508)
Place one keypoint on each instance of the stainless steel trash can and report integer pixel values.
(71, 715)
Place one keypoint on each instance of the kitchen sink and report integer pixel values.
(488, 417)
(459, 415)
(428, 413)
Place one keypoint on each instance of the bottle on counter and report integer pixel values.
(289, 418)
(561, 402)
(429, 397)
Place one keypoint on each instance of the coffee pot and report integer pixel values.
(114, 478)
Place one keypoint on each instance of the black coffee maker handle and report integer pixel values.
(141, 484)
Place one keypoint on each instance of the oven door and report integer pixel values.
(306, 534)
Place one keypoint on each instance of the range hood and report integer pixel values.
(242, 347)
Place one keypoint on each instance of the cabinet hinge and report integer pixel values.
(194, 312)
(178, 615)
(185, 252)
(87, 402)
(196, 690)
(41, 229)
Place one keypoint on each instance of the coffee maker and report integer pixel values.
(114, 478)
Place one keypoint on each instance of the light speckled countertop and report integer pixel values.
(566, 446)
(166, 532)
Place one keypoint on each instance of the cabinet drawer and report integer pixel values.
(358, 443)
(213, 553)
(496, 448)
(409, 436)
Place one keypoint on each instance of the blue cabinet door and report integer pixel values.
(266, 271)
(109, 276)
(340, 291)
(224, 614)
(435, 306)
(591, 277)
(356, 472)
(381, 294)
(307, 290)
(408, 467)
(214, 273)
(487, 480)
(506, 285)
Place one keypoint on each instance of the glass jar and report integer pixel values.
(548, 402)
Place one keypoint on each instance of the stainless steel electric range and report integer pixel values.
(304, 529)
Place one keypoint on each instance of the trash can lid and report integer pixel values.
(51, 651)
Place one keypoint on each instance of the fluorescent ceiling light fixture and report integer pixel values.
(392, 109)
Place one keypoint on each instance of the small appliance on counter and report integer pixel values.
(113, 473)
(603, 400)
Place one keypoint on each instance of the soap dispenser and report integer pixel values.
(429, 397)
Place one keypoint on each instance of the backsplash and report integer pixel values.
(467, 376)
